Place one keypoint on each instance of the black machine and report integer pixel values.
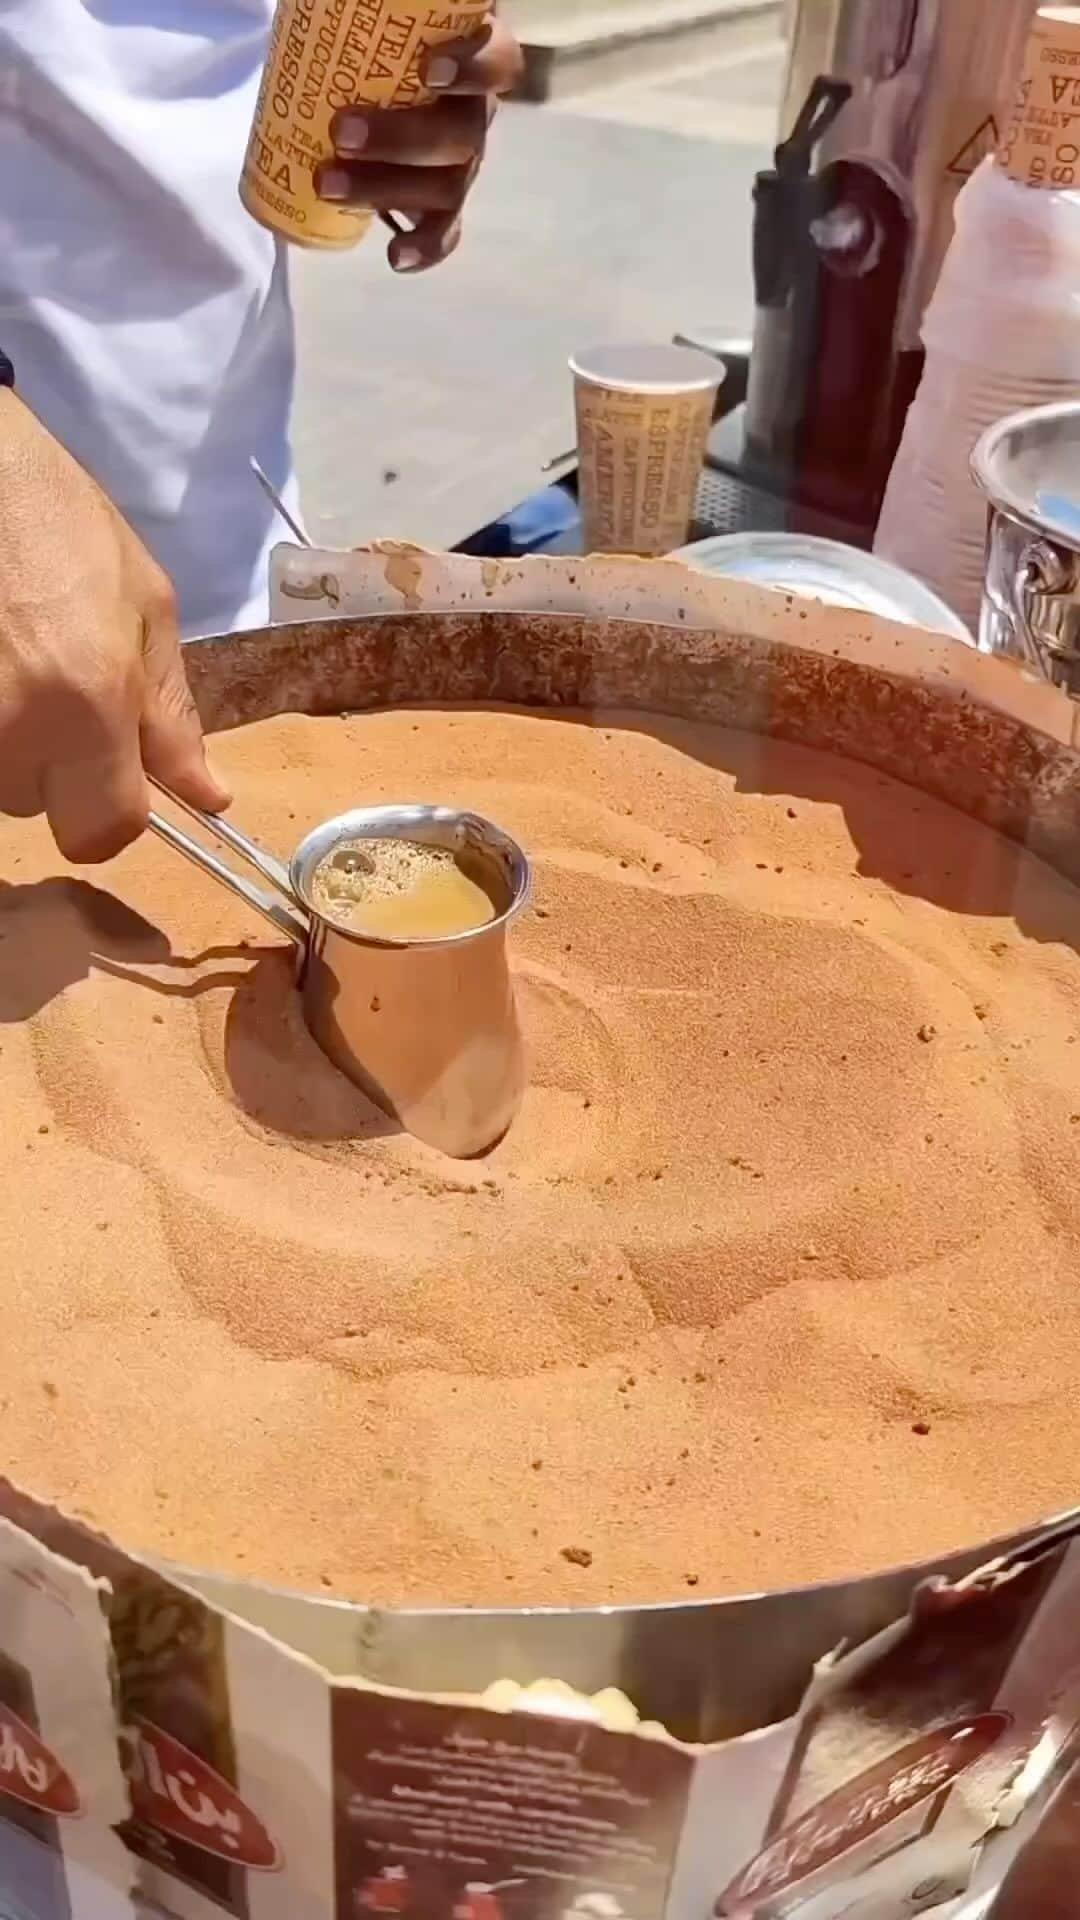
(888, 107)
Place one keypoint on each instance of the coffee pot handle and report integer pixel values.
(286, 918)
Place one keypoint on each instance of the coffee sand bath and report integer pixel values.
(773, 1279)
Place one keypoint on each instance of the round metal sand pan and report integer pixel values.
(707, 1667)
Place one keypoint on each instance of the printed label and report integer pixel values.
(35, 1792)
(454, 1813)
(29, 1772)
(640, 458)
(975, 149)
(861, 1809)
(175, 1792)
(177, 1747)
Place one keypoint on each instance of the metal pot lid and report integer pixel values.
(827, 570)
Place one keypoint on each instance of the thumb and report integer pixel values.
(170, 732)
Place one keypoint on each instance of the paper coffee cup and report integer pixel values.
(1041, 143)
(325, 55)
(643, 417)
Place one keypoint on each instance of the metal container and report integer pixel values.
(709, 1667)
(427, 1027)
(1028, 466)
(827, 570)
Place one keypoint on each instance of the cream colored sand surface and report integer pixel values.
(775, 1278)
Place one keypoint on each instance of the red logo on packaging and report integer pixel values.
(29, 1772)
(857, 1811)
(176, 1792)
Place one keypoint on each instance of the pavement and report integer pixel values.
(428, 406)
(571, 47)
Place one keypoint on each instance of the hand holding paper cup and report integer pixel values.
(1039, 147)
(643, 417)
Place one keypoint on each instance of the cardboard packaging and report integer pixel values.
(258, 1784)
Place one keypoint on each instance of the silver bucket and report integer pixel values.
(1028, 466)
(709, 1667)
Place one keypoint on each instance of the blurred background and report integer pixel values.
(614, 205)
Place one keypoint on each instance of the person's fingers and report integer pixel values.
(20, 785)
(20, 753)
(449, 133)
(492, 62)
(434, 238)
(395, 189)
(97, 801)
(96, 806)
(170, 732)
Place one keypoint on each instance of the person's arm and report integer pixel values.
(92, 687)
(422, 163)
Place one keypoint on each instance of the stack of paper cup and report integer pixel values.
(643, 417)
(1002, 331)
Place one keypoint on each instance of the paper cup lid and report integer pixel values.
(648, 369)
(1041, 144)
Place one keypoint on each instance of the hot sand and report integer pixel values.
(775, 1278)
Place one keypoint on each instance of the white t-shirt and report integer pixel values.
(145, 311)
